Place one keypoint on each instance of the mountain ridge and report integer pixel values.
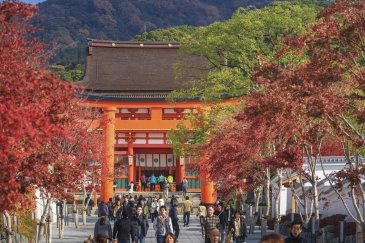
(68, 23)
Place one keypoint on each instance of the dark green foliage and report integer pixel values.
(169, 34)
(71, 73)
(68, 23)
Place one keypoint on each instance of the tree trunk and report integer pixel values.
(61, 225)
(84, 216)
(76, 216)
(49, 230)
(42, 222)
(8, 230)
(315, 199)
(312, 163)
(258, 197)
(277, 197)
(267, 192)
(277, 208)
(62, 220)
(84, 206)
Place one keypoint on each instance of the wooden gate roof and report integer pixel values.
(138, 70)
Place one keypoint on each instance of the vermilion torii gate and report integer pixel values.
(129, 82)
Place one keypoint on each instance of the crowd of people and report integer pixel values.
(164, 182)
(132, 215)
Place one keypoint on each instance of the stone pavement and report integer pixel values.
(190, 234)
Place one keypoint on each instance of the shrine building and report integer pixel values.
(130, 82)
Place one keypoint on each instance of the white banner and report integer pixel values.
(141, 160)
(170, 160)
(156, 160)
(149, 160)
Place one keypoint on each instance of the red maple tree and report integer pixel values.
(46, 138)
(314, 90)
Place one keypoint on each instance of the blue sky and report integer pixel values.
(33, 1)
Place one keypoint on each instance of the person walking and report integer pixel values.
(272, 238)
(103, 209)
(103, 227)
(111, 207)
(161, 201)
(154, 209)
(145, 210)
(174, 219)
(238, 228)
(140, 224)
(185, 185)
(211, 221)
(131, 187)
(201, 213)
(173, 200)
(118, 206)
(229, 212)
(187, 207)
(161, 182)
(295, 233)
(162, 224)
(169, 238)
(222, 221)
(214, 236)
(127, 206)
(152, 182)
(123, 230)
(143, 182)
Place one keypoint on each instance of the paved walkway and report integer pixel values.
(190, 234)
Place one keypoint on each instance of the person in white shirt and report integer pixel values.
(131, 187)
(161, 202)
(154, 209)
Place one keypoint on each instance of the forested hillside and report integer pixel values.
(68, 23)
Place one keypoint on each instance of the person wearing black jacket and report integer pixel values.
(229, 212)
(296, 230)
(174, 219)
(237, 227)
(127, 206)
(123, 229)
(222, 215)
(140, 225)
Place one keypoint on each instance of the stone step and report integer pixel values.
(193, 196)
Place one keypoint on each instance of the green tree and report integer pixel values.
(70, 73)
(187, 139)
(234, 48)
(169, 34)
